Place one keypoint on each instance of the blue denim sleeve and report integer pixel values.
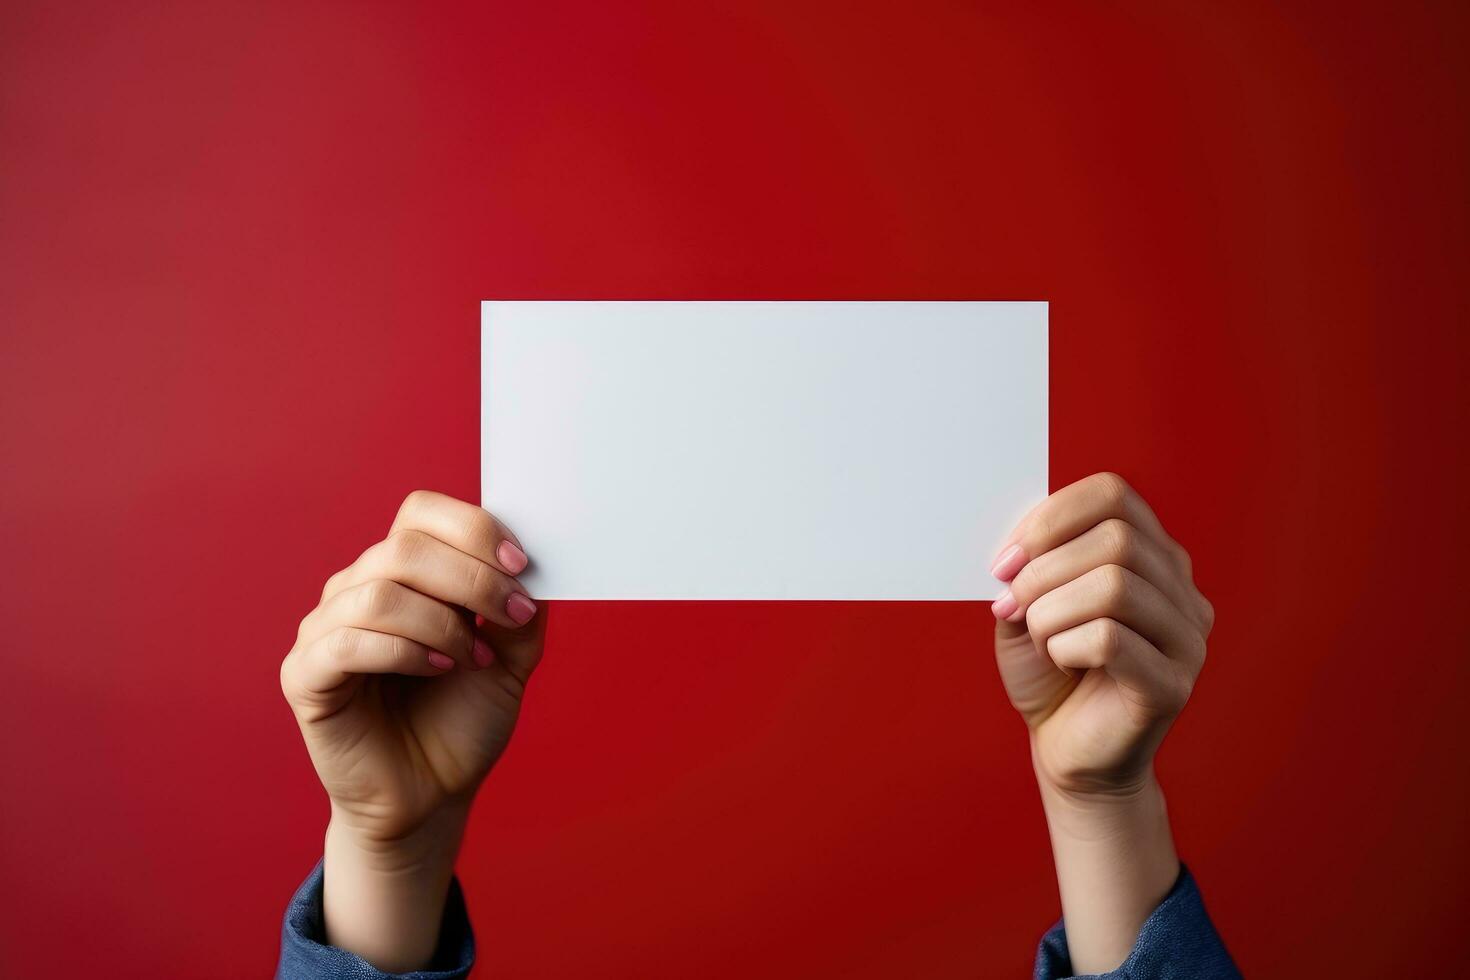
(1177, 942)
(306, 956)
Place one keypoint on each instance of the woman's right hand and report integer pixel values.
(406, 681)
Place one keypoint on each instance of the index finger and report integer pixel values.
(1073, 510)
(473, 530)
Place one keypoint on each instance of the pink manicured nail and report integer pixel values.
(512, 558)
(1005, 607)
(483, 655)
(479, 621)
(519, 608)
(1008, 563)
(437, 659)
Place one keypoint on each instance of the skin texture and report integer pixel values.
(1099, 641)
(400, 744)
(407, 678)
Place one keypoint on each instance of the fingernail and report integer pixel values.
(1008, 563)
(479, 621)
(437, 659)
(1005, 606)
(511, 557)
(483, 655)
(519, 608)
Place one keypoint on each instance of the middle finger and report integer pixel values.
(426, 564)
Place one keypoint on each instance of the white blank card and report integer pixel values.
(762, 450)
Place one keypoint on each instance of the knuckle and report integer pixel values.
(1035, 619)
(333, 583)
(288, 683)
(455, 631)
(483, 583)
(1041, 531)
(1179, 690)
(1207, 614)
(479, 530)
(1111, 487)
(415, 505)
(379, 597)
(1121, 540)
(1112, 583)
(342, 644)
(1027, 583)
(403, 547)
(1107, 639)
(416, 501)
(1199, 649)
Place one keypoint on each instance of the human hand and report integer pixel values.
(1100, 636)
(1099, 639)
(406, 681)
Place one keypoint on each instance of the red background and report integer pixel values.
(241, 251)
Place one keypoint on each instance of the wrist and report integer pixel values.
(384, 898)
(1101, 812)
(425, 848)
(1115, 862)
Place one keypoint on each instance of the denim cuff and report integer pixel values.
(306, 956)
(1177, 942)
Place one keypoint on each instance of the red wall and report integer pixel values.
(241, 250)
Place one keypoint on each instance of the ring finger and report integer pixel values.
(1113, 592)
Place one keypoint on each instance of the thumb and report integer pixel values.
(518, 649)
(1008, 632)
(1033, 682)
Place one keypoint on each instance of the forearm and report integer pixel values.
(385, 901)
(1115, 861)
